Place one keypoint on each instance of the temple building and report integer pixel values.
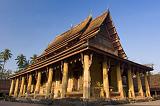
(87, 62)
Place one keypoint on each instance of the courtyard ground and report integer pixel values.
(6, 103)
(151, 103)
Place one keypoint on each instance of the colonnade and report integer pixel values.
(131, 91)
(86, 62)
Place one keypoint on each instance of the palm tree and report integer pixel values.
(33, 58)
(21, 61)
(1, 64)
(4, 56)
(26, 64)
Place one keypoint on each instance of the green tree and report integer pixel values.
(6, 73)
(5, 56)
(21, 61)
(33, 59)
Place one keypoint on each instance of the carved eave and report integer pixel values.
(143, 67)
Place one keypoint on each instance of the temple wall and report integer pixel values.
(113, 79)
(80, 83)
(57, 83)
(42, 89)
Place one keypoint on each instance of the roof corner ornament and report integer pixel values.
(90, 59)
(82, 59)
(61, 68)
(109, 63)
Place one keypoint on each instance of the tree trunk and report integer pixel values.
(3, 70)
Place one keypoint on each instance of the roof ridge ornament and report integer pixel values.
(108, 10)
(90, 13)
(71, 26)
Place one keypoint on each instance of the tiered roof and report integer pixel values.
(73, 40)
(81, 30)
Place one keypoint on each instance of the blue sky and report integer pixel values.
(28, 26)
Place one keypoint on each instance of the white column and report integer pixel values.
(139, 84)
(16, 88)
(21, 88)
(29, 84)
(64, 79)
(38, 84)
(119, 80)
(49, 82)
(147, 85)
(105, 79)
(86, 77)
(11, 88)
(131, 93)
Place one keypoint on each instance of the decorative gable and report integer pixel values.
(107, 38)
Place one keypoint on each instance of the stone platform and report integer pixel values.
(71, 102)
